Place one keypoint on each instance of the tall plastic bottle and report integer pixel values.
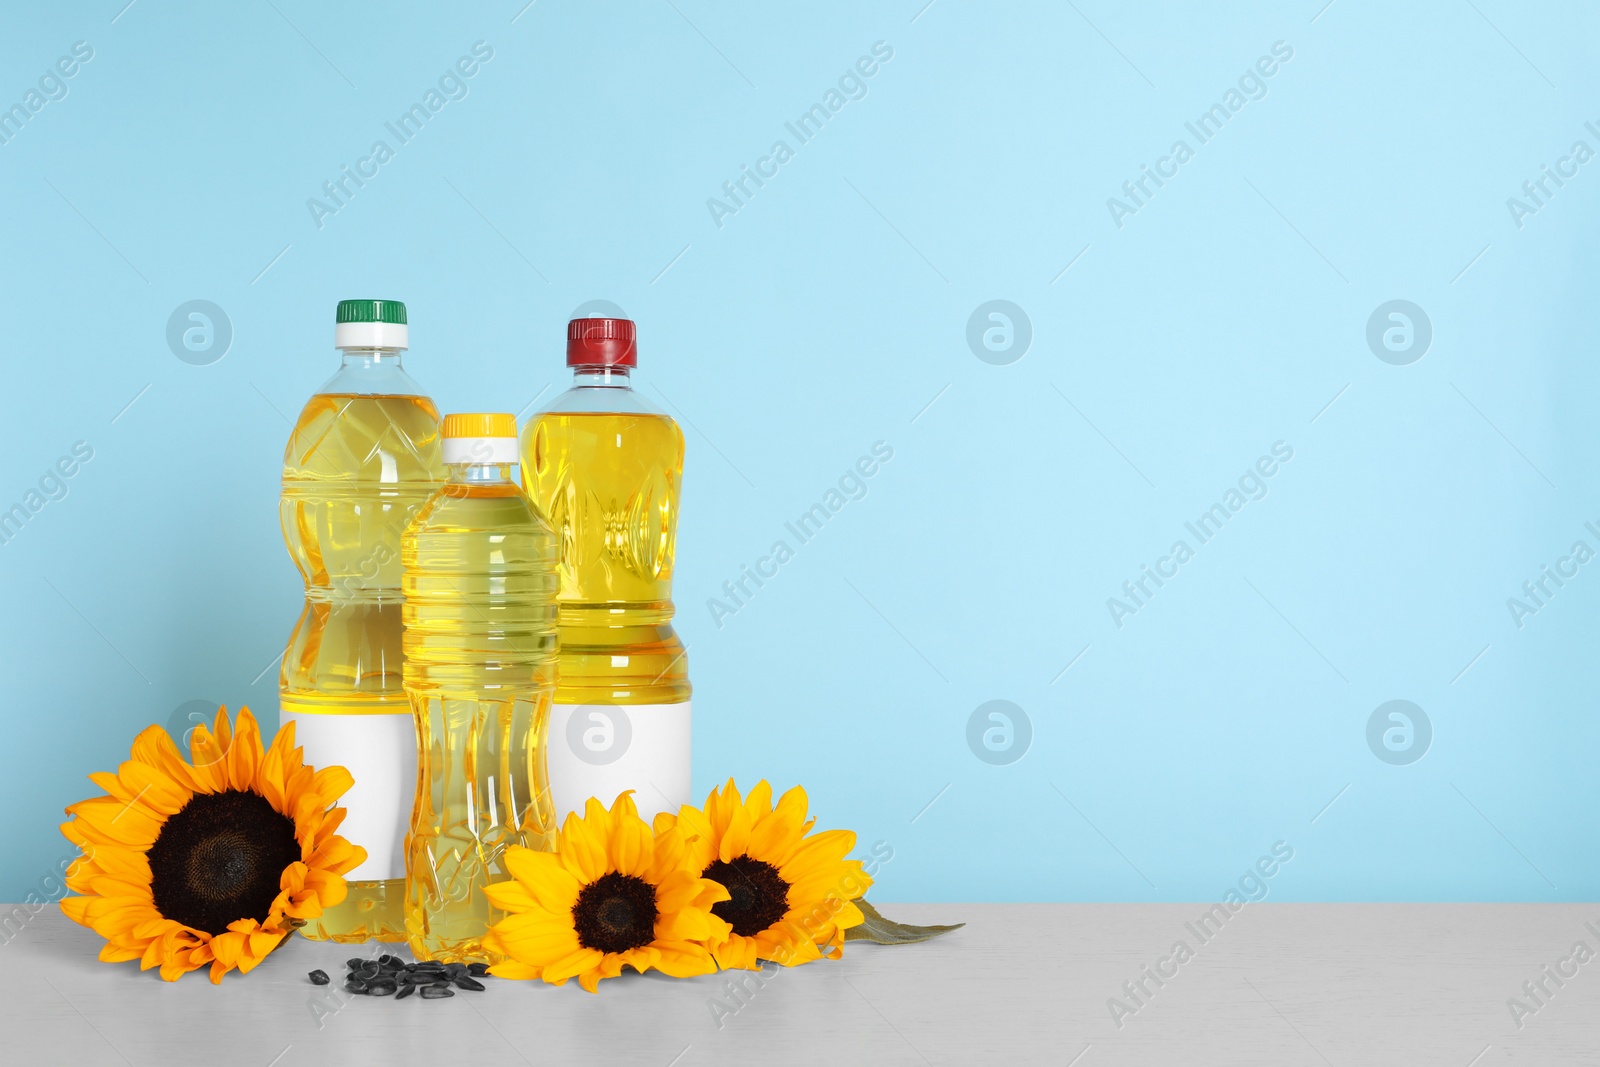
(363, 457)
(480, 641)
(604, 466)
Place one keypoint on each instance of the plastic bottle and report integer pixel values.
(604, 467)
(480, 641)
(362, 458)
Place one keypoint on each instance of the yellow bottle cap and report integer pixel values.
(479, 424)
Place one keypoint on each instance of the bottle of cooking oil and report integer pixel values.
(363, 457)
(604, 467)
(480, 642)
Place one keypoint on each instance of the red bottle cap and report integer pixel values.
(601, 343)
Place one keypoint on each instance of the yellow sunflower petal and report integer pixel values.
(296, 784)
(684, 959)
(624, 807)
(332, 893)
(537, 925)
(111, 953)
(546, 878)
(155, 748)
(509, 896)
(335, 854)
(692, 823)
(735, 954)
(106, 886)
(736, 837)
(127, 864)
(244, 755)
(632, 842)
(118, 822)
(774, 836)
(539, 948)
(686, 889)
(263, 942)
(331, 783)
(759, 802)
(228, 947)
(573, 965)
(581, 847)
(669, 853)
(688, 924)
(844, 880)
(849, 917)
(720, 807)
(76, 909)
(272, 779)
(330, 823)
(154, 787)
(816, 853)
(640, 959)
(208, 756)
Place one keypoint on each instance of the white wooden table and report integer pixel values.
(1280, 985)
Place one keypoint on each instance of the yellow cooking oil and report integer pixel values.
(358, 465)
(608, 484)
(479, 568)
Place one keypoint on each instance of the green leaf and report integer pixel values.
(881, 931)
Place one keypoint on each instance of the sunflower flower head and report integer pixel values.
(613, 893)
(211, 860)
(791, 893)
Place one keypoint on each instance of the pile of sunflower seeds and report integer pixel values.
(391, 976)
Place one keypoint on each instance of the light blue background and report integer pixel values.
(826, 315)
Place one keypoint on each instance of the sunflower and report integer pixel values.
(790, 896)
(612, 893)
(213, 861)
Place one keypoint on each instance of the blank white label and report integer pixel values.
(380, 752)
(600, 750)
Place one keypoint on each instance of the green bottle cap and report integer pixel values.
(392, 311)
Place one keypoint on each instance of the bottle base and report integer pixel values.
(371, 911)
(471, 951)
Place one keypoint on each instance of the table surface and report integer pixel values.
(1278, 984)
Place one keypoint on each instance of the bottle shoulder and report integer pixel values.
(492, 508)
(602, 400)
(373, 379)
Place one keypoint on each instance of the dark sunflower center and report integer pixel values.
(758, 896)
(220, 859)
(615, 912)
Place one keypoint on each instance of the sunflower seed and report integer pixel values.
(391, 961)
(464, 982)
(416, 977)
(435, 992)
(456, 968)
(381, 989)
(477, 970)
(354, 962)
(318, 977)
(355, 985)
(405, 991)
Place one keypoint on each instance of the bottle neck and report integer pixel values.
(478, 473)
(371, 372)
(371, 358)
(601, 378)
